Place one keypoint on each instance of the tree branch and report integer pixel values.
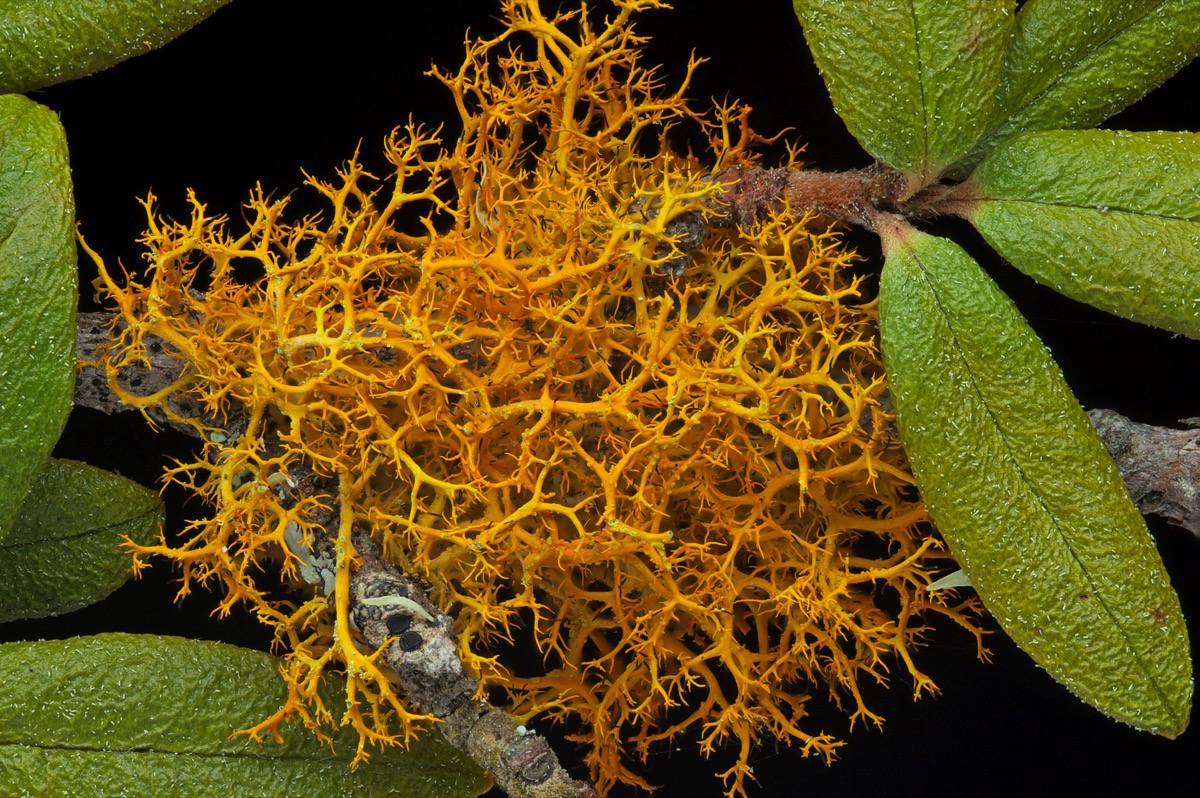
(1160, 466)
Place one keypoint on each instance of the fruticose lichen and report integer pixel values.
(668, 465)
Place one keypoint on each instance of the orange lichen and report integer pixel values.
(684, 490)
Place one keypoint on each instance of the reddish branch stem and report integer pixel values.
(854, 197)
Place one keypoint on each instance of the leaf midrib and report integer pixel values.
(79, 535)
(1108, 209)
(297, 758)
(925, 165)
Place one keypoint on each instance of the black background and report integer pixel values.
(267, 87)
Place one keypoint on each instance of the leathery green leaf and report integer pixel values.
(1108, 218)
(1023, 491)
(1074, 63)
(913, 80)
(152, 716)
(64, 549)
(43, 42)
(37, 294)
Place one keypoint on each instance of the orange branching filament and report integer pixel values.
(685, 490)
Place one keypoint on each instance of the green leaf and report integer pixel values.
(1108, 218)
(1075, 63)
(152, 716)
(37, 294)
(1023, 491)
(43, 42)
(913, 80)
(64, 549)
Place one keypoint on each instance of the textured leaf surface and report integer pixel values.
(64, 549)
(1023, 491)
(37, 294)
(1074, 63)
(43, 42)
(151, 716)
(1108, 218)
(913, 80)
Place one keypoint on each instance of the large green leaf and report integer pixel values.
(152, 716)
(43, 42)
(37, 294)
(1074, 63)
(64, 549)
(1022, 490)
(913, 80)
(1108, 218)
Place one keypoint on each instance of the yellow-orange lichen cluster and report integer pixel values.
(684, 490)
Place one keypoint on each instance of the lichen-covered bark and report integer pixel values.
(388, 608)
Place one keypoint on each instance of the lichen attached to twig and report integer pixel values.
(654, 451)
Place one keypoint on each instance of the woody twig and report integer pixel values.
(1160, 466)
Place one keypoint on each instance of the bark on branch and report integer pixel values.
(1160, 466)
